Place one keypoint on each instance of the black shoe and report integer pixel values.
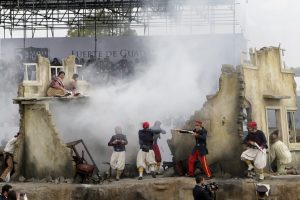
(153, 174)
(140, 178)
(250, 174)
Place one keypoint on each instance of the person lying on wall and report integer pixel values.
(57, 88)
(199, 151)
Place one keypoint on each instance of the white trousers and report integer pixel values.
(117, 160)
(259, 158)
(145, 159)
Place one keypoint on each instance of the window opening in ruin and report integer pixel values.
(54, 71)
(273, 119)
(30, 70)
(293, 127)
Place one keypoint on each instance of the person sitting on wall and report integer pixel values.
(72, 85)
(255, 155)
(117, 160)
(57, 88)
(9, 151)
(280, 155)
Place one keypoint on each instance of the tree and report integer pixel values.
(107, 24)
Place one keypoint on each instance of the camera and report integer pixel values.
(211, 186)
(211, 189)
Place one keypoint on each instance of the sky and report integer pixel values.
(274, 22)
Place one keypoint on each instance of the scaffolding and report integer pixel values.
(145, 16)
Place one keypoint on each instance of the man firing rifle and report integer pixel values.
(200, 150)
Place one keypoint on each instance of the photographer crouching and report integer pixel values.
(204, 191)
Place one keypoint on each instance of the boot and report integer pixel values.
(118, 174)
(158, 168)
(153, 174)
(141, 170)
(153, 171)
(250, 165)
(261, 177)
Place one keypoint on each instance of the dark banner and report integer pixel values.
(30, 54)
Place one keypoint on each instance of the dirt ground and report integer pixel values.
(177, 188)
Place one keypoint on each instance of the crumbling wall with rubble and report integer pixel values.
(219, 116)
(269, 86)
(43, 152)
(40, 153)
(245, 93)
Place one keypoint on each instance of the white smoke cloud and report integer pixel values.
(181, 72)
(9, 117)
(173, 85)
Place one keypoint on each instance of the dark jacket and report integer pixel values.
(258, 137)
(2, 197)
(201, 141)
(119, 146)
(200, 193)
(146, 138)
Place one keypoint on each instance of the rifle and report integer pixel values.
(184, 131)
(258, 147)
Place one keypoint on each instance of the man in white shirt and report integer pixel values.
(279, 153)
(9, 157)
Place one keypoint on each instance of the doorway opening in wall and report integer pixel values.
(273, 121)
(293, 126)
(246, 119)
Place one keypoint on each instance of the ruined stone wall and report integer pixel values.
(268, 85)
(257, 87)
(268, 78)
(38, 88)
(42, 153)
(69, 68)
(219, 115)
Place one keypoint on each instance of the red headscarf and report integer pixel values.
(252, 124)
(146, 125)
(198, 122)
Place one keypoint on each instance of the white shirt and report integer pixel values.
(11, 145)
(281, 152)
